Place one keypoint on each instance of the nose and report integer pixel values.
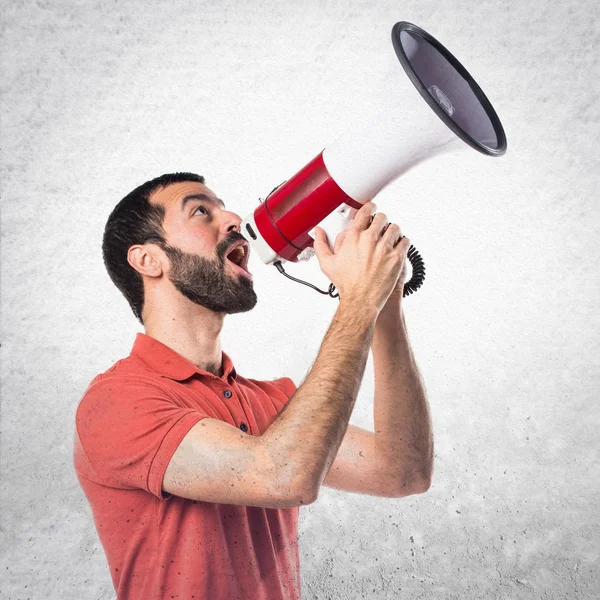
(230, 222)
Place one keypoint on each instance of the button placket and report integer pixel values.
(228, 394)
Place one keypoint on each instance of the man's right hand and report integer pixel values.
(364, 265)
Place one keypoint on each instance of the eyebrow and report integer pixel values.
(205, 197)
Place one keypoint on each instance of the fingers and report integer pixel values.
(402, 244)
(321, 245)
(362, 218)
(393, 237)
(378, 225)
(339, 239)
(366, 220)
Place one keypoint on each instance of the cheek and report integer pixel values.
(196, 241)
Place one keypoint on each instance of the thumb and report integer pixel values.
(321, 245)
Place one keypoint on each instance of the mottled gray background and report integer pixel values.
(98, 97)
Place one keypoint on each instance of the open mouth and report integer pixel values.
(238, 257)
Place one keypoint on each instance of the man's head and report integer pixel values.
(174, 227)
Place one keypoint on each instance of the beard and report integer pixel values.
(205, 282)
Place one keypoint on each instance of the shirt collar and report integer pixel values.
(166, 362)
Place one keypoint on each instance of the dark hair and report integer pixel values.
(134, 220)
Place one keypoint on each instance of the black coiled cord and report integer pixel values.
(418, 272)
(416, 281)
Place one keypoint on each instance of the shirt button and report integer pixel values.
(227, 393)
(244, 427)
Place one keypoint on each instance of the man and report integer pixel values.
(195, 474)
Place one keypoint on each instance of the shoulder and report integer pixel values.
(126, 371)
(124, 383)
(285, 384)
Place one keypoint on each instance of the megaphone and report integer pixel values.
(433, 107)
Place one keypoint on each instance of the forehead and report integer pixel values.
(175, 195)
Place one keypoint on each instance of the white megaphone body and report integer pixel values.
(433, 106)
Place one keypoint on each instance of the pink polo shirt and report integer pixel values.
(129, 423)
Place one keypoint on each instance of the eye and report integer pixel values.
(201, 207)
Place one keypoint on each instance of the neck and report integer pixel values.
(187, 328)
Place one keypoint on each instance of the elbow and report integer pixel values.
(302, 491)
(305, 495)
(307, 498)
(412, 487)
(416, 483)
(287, 496)
(309, 491)
(420, 485)
(414, 474)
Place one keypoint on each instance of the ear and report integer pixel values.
(145, 259)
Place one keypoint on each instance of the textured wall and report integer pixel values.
(97, 97)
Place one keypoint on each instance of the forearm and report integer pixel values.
(403, 430)
(305, 437)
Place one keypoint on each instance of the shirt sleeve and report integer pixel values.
(129, 430)
(286, 385)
